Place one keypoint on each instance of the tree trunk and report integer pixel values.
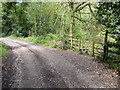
(62, 24)
(35, 27)
(105, 46)
(72, 23)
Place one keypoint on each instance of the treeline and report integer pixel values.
(108, 14)
(98, 22)
(26, 19)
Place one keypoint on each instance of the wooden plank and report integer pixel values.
(75, 43)
(76, 47)
(93, 47)
(99, 48)
(78, 43)
(96, 52)
(75, 40)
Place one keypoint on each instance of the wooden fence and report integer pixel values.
(93, 48)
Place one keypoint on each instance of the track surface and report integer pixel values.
(34, 66)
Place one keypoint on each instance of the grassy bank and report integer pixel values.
(49, 40)
(3, 50)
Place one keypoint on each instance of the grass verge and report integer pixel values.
(3, 50)
(49, 40)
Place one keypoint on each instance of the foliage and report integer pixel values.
(108, 14)
(14, 19)
(3, 50)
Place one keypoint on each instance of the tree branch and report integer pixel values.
(79, 5)
(91, 10)
(82, 6)
(81, 19)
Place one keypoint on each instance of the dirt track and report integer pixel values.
(34, 66)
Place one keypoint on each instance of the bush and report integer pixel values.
(113, 61)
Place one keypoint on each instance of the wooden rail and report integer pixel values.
(86, 47)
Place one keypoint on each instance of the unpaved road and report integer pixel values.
(34, 66)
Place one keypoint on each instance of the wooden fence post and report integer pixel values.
(93, 47)
(105, 56)
(71, 43)
(79, 44)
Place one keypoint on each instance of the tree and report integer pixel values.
(6, 18)
(1, 19)
(108, 13)
(74, 9)
(14, 19)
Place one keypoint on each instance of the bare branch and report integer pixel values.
(91, 10)
(81, 19)
(82, 6)
(79, 5)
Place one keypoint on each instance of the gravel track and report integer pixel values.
(34, 66)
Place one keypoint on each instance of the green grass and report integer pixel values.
(3, 50)
(49, 40)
